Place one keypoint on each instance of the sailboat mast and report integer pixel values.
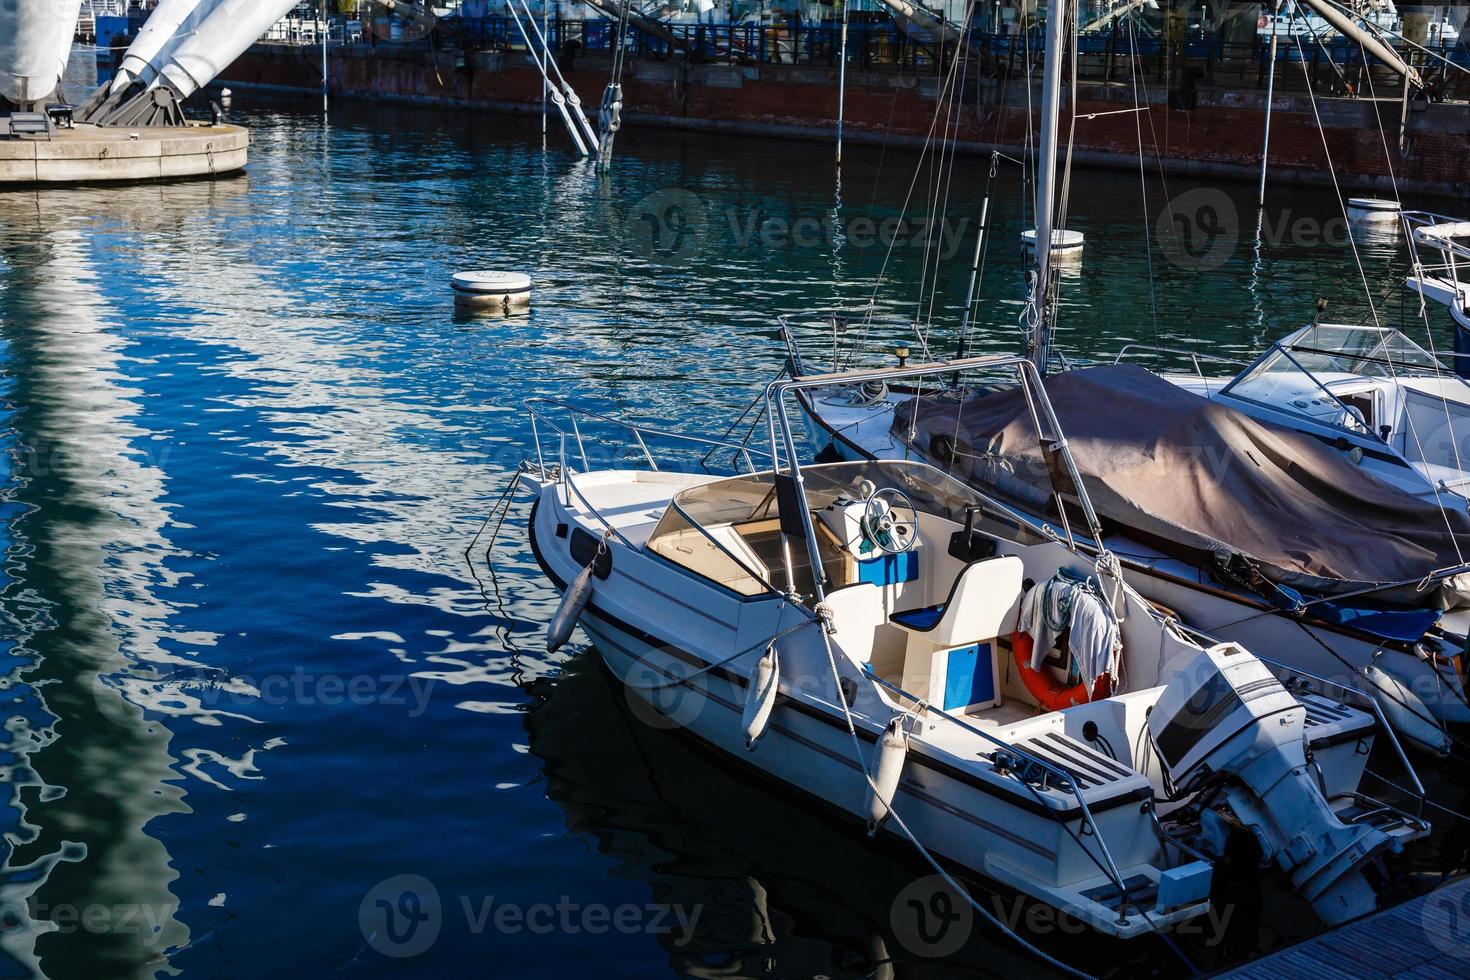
(1058, 17)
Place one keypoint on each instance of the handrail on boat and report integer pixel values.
(1064, 778)
(1194, 356)
(536, 407)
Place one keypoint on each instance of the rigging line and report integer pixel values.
(958, 97)
(1114, 112)
(951, 135)
(1065, 204)
(867, 324)
(913, 184)
(1363, 275)
(1148, 242)
(1141, 80)
(1423, 312)
(1332, 171)
(1332, 64)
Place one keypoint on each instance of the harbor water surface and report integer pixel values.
(258, 664)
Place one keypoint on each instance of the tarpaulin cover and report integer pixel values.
(1197, 479)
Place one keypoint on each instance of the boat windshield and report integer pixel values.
(1296, 374)
(730, 531)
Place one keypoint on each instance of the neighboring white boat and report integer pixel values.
(859, 630)
(1401, 407)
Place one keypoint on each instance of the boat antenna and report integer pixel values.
(1038, 309)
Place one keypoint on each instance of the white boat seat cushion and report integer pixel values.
(983, 604)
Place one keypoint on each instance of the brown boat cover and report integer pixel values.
(1198, 480)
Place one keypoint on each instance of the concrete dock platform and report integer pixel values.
(92, 154)
(1426, 937)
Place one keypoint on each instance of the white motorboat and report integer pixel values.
(1399, 409)
(859, 632)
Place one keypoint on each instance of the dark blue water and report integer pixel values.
(245, 442)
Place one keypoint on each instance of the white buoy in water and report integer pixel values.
(506, 290)
(225, 95)
(1372, 210)
(1066, 245)
(760, 696)
(888, 758)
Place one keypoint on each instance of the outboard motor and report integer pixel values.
(1226, 719)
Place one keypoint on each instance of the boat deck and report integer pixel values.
(1428, 936)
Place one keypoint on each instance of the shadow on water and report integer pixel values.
(786, 889)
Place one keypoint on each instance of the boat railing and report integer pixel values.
(1195, 358)
(1057, 776)
(553, 417)
(1442, 235)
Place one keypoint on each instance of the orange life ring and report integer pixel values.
(1047, 692)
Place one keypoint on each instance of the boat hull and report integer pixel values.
(965, 822)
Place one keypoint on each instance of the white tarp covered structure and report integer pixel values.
(35, 41)
(171, 22)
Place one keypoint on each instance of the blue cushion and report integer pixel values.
(918, 619)
(969, 677)
(889, 569)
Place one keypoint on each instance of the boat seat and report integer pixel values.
(950, 655)
(983, 604)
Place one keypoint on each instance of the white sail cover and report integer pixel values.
(231, 27)
(170, 23)
(35, 40)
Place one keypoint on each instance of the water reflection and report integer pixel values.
(86, 890)
(784, 889)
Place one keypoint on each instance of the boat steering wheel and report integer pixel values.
(890, 521)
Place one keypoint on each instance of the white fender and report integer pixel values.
(760, 696)
(1406, 712)
(888, 759)
(572, 603)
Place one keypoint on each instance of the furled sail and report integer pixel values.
(170, 23)
(220, 38)
(35, 41)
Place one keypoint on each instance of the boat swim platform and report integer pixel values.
(1426, 937)
(87, 154)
